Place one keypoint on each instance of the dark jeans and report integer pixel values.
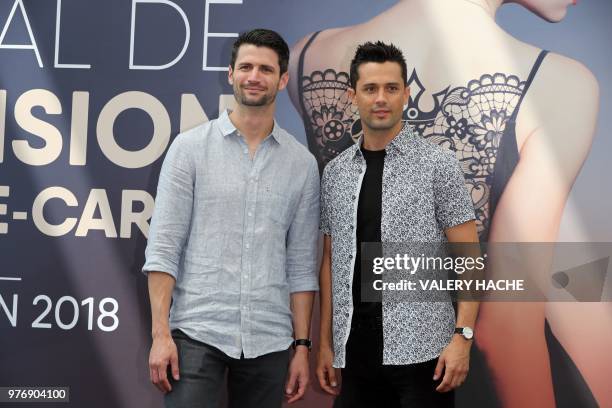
(253, 382)
(368, 383)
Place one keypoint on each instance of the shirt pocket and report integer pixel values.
(201, 272)
(278, 209)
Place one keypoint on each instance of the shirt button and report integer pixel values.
(351, 256)
(346, 315)
(352, 227)
(246, 276)
(248, 246)
(353, 197)
(250, 214)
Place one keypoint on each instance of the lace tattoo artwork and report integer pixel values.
(470, 120)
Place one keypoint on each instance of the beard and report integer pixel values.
(386, 124)
(244, 99)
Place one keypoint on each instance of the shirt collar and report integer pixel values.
(400, 143)
(227, 127)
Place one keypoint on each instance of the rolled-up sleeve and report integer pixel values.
(302, 237)
(173, 207)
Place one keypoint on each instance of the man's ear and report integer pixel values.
(351, 94)
(284, 80)
(230, 75)
(406, 95)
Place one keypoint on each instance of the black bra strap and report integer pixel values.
(302, 55)
(301, 69)
(305, 117)
(532, 74)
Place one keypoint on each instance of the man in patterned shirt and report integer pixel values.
(392, 186)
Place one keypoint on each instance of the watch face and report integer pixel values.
(468, 333)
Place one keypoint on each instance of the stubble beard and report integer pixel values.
(244, 100)
(386, 125)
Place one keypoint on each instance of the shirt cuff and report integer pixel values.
(160, 266)
(304, 285)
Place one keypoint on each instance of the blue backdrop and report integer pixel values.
(88, 105)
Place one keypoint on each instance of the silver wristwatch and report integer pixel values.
(466, 332)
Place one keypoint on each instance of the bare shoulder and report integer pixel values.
(564, 72)
(567, 88)
(317, 51)
(563, 98)
(560, 110)
(294, 70)
(557, 72)
(329, 48)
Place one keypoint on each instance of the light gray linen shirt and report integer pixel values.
(239, 235)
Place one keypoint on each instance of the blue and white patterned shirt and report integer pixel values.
(423, 193)
(239, 235)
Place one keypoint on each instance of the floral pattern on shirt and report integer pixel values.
(424, 193)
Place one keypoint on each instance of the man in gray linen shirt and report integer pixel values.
(233, 243)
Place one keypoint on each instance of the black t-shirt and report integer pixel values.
(369, 212)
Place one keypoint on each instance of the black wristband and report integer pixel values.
(302, 342)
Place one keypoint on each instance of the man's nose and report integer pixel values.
(381, 97)
(254, 75)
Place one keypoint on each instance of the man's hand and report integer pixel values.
(455, 361)
(163, 352)
(298, 375)
(326, 373)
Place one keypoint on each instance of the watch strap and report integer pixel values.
(461, 330)
(302, 342)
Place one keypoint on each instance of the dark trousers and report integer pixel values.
(368, 383)
(254, 382)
